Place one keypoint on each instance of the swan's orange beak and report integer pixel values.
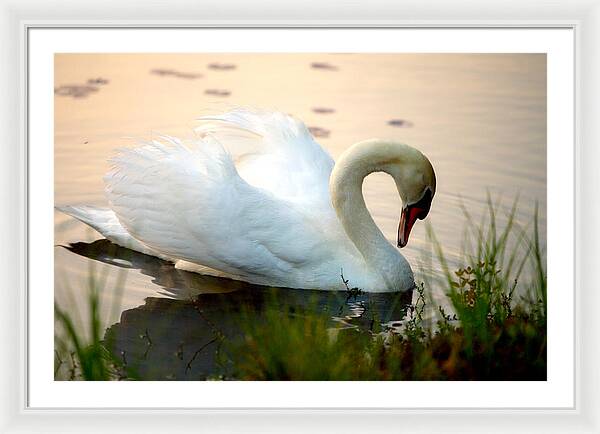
(409, 216)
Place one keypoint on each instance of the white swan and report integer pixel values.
(255, 198)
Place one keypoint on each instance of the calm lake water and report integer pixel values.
(481, 120)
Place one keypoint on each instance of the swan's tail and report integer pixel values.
(106, 222)
(102, 219)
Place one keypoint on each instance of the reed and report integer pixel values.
(84, 356)
(490, 334)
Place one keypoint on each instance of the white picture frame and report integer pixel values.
(17, 18)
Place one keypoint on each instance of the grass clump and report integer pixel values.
(84, 356)
(490, 334)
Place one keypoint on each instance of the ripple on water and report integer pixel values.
(323, 110)
(166, 72)
(323, 66)
(319, 132)
(216, 66)
(400, 123)
(218, 92)
(81, 90)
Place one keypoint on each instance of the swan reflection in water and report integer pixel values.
(178, 335)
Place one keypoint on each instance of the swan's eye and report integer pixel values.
(424, 204)
(410, 214)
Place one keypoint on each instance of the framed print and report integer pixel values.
(255, 220)
(226, 224)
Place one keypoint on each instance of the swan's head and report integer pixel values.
(411, 170)
(415, 179)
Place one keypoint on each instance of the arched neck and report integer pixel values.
(348, 201)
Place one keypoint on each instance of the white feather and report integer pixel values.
(248, 199)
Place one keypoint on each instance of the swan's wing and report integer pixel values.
(188, 202)
(275, 152)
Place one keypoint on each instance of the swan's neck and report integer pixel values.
(347, 198)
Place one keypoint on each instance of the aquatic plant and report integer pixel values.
(81, 355)
(488, 336)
